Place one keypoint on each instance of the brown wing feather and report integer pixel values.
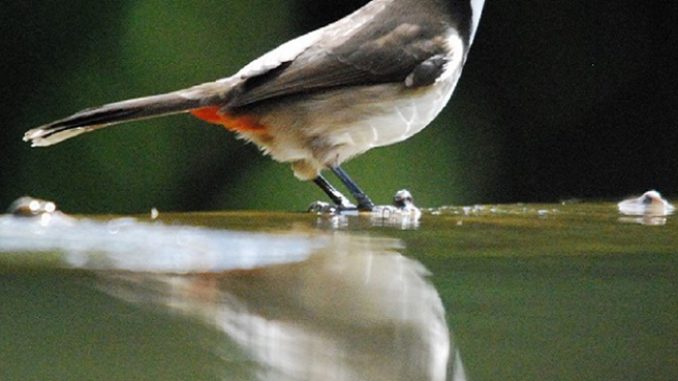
(387, 53)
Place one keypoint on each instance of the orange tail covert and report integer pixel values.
(240, 123)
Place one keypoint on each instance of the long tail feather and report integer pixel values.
(114, 113)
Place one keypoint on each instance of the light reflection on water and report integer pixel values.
(304, 305)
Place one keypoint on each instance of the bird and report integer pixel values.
(373, 78)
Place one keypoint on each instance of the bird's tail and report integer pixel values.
(134, 109)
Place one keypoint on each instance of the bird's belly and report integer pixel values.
(333, 126)
(398, 119)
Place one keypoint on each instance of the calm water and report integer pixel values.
(519, 292)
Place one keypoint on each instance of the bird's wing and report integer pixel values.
(388, 51)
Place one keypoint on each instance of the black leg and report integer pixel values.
(364, 202)
(336, 196)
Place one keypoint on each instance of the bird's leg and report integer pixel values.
(337, 198)
(364, 202)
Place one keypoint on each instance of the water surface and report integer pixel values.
(508, 292)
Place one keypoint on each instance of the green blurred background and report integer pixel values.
(559, 100)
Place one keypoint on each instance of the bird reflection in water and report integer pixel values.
(355, 309)
(306, 304)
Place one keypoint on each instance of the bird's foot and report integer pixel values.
(403, 204)
(402, 214)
